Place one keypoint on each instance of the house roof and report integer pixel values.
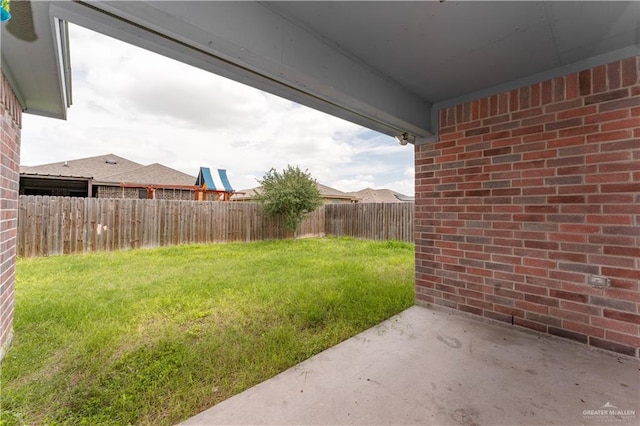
(328, 192)
(325, 192)
(111, 168)
(369, 195)
(155, 173)
(99, 167)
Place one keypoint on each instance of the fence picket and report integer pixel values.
(50, 226)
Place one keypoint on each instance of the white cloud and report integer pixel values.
(149, 108)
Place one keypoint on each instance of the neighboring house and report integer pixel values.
(329, 195)
(106, 176)
(369, 195)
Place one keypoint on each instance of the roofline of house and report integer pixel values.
(50, 176)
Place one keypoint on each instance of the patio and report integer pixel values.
(431, 366)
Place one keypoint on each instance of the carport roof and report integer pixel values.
(386, 65)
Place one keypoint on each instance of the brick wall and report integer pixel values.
(134, 193)
(9, 177)
(174, 194)
(528, 193)
(117, 192)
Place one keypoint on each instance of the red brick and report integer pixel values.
(535, 95)
(623, 230)
(607, 116)
(612, 346)
(521, 131)
(622, 251)
(532, 307)
(569, 315)
(558, 89)
(616, 261)
(621, 187)
(622, 316)
(498, 317)
(541, 300)
(609, 136)
(624, 103)
(630, 71)
(484, 107)
(530, 324)
(584, 82)
(623, 145)
(607, 302)
(563, 124)
(599, 79)
(568, 278)
(625, 339)
(609, 157)
(583, 328)
(621, 273)
(470, 309)
(513, 100)
(613, 75)
(608, 177)
(609, 219)
(562, 237)
(579, 307)
(619, 167)
(622, 208)
(568, 334)
(577, 112)
(606, 96)
(525, 98)
(571, 86)
(630, 123)
(582, 130)
(623, 294)
(544, 319)
(610, 324)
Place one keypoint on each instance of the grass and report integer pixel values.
(156, 336)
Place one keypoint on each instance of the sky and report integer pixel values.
(148, 108)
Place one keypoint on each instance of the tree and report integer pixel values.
(289, 194)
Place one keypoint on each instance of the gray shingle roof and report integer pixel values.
(114, 169)
(153, 174)
(369, 195)
(325, 192)
(98, 167)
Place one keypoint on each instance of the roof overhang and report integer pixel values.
(389, 66)
(35, 58)
(56, 177)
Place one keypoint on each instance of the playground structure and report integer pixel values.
(206, 188)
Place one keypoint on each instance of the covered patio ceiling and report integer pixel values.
(388, 66)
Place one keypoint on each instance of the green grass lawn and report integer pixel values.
(156, 336)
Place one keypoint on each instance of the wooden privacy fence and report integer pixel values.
(370, 221)
(50, 226)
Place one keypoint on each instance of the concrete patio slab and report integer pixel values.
(427, 366)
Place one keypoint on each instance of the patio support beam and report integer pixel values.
(250, 43)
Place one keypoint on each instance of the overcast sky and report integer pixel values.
(150, 109)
